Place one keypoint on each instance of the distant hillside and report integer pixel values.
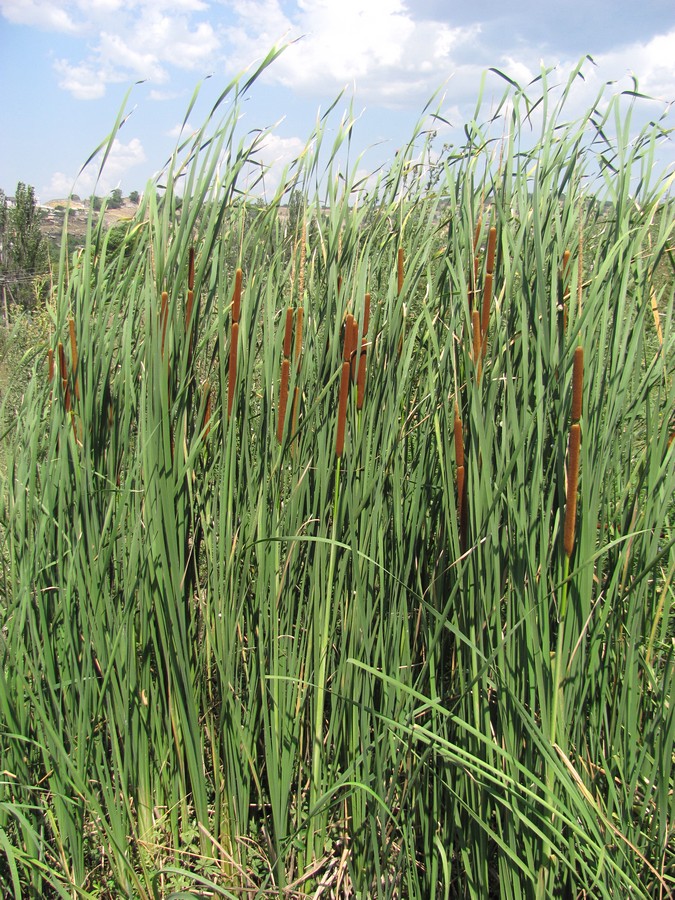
(54, 214)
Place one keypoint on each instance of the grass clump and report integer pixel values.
(266, 631)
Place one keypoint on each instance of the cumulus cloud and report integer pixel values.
(123, 158)
(380, 46)
(126, 39)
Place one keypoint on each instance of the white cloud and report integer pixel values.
(273, 154)
(180, 129)
(376, 44)
(50, 15)
(121, 160)
(126, 39)
(84, 82)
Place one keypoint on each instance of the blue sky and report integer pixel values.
(66, 65)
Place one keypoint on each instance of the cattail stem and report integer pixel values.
(400, 269)
(232, 375)
(288, 333)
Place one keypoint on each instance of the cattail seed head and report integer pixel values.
(572, 486)
(349, 343)
(577, 383)
(50, 365)
(288, 333)
(366, 314)
(191, 269)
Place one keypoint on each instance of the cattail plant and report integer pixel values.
(285, 373)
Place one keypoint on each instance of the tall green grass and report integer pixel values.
(235, 662)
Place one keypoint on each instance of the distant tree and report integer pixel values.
(24, 255)
(134, 197)
(96, 202)
(74, 198)
(115, 199)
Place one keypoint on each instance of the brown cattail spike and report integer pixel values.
(236, 296)
(50, 365)
(577, 384)
(572, 486)
(283, 397)
(349, 344)
(400, 269)
(191, 269)
(188, 309)
(233, 367)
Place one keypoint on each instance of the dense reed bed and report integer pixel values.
(338, 550)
